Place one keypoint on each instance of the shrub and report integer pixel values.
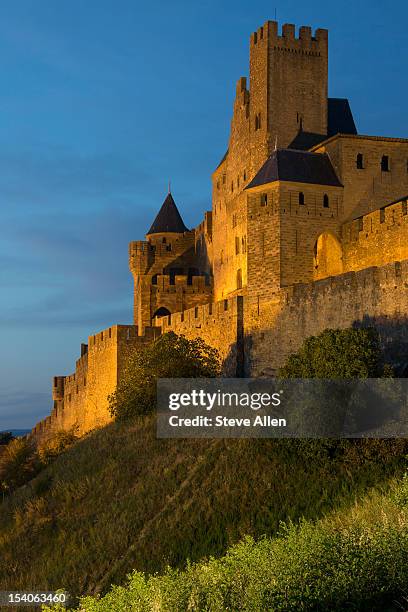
(338, 353)
(170, 356)
(57, 444)
(5, 437)
(18, 464)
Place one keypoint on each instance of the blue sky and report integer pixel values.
(101, 103)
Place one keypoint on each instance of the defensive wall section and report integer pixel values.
(380, 236)
(255, 334)
(81, 399)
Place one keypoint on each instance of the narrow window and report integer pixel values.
(258, 121)
(232, 186)
(236, 245)
(264, 199)
(164, 241)
(385, 163)
(404, 207)
(218, 184)
(326, 201)
(223, 179)
(239, 279)
(245, 172)
(238, 182)
(301, 198)
(359, 161)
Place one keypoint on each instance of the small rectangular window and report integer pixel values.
(264, 199)
(237, 243)
(359, 161)
(385, 163)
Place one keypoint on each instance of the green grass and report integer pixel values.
(120, 500)
(352, 560)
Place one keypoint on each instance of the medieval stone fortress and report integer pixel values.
(308, 230)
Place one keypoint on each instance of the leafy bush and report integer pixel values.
(170, 356)
(57, 444)
(18, 464)
(338, 353)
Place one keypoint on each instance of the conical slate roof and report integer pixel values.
(168, 219)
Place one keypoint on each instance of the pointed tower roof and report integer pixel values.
(168, 219)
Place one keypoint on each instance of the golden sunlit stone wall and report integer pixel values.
(369, 187)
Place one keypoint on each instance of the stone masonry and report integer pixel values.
(308, 229)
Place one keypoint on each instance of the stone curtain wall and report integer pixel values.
(220, 325)
(276, 327)
(81, 399)
(254, 335)
(376, 238)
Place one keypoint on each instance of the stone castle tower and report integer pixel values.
(308, 229)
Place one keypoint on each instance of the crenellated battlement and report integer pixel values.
(393, 215)
(81, 398)
(269, 33)
(198, 316)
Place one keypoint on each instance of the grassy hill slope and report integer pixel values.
(354, 559)
(120, 500)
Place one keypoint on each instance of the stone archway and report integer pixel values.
(161, 312)
(328, 256)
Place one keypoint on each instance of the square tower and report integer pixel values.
(288, 83)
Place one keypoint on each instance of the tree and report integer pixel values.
(335, 403)
(18, 464)
(170, 356)
(338, 353)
